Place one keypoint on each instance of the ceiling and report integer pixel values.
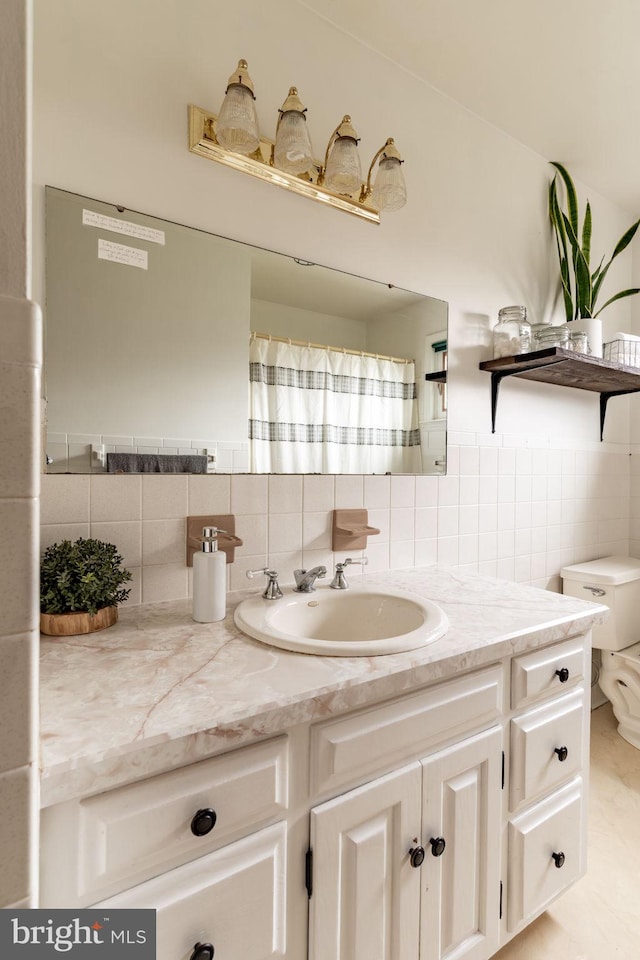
(561, 76)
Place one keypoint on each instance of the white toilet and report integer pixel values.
(615, 582)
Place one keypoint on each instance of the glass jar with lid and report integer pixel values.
(512, 333)
(552, 336)
(536, 328)
(578, 342)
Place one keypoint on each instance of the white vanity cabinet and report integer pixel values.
(549, 732)
(451, 854)
(408, 865)
(431, 825)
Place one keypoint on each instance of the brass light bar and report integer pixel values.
(202, 141)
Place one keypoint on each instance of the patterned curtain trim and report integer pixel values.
(327, 433)
(336, 383)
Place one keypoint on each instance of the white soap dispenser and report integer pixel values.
(209, 579)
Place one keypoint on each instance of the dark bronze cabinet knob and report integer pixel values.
(562, 752)
(202, 951)
(562, 674)
(437, 846)
(558, 859)
(203, 822)
(416, 856)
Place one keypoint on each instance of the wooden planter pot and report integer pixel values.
(73, 624)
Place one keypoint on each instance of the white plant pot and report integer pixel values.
(592, 326)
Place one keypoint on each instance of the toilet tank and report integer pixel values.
(614, 582)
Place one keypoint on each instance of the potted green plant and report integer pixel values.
(581, 285)
(81, 585)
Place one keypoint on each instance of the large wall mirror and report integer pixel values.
(168, 349)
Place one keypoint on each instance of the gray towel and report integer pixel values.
(155, 463)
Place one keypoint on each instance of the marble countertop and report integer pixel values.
(158, 690)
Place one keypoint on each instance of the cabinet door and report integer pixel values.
(461, 886)
(365, 903)
(233, 899)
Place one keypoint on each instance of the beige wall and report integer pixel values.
(474, 233)
(285, 321)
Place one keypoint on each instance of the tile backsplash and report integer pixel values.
(86, 453)
(512, 512)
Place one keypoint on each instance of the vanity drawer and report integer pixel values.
(547, 672)
(234, 899)
(555, 826)
(101, 845)
(364, 744)
(546, 747)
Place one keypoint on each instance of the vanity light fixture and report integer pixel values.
(342, 172)
(232, 137)
(389, 191)
(237, 127)
(292, 150)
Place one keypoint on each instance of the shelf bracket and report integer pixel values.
(497, 376)
(496, 379)
(604, 398)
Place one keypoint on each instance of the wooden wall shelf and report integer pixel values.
(567, 369)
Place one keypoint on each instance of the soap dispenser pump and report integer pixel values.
(209, 579)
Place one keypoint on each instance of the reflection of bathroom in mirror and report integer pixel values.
(168, 349)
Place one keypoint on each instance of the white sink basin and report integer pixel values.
(359, 622)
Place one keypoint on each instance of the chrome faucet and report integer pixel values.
(339, 581)
(305, 579)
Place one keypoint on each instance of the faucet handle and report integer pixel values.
(272, 590)
(339, 581)
(345, 563)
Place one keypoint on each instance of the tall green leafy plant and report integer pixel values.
(581, 285)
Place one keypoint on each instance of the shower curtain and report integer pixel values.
(320, 410)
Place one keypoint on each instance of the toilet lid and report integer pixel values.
(605, 570)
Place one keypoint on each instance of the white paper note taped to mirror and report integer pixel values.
(120, 253)
(90, 218)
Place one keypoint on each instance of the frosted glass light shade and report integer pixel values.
(389, 190)
(343, 173)
(292, 150)
(237, 125)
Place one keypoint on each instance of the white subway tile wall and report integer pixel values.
(84, 453)
(515, 512)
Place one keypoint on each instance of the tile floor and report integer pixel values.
(598, 918)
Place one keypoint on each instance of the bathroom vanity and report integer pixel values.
(272, 804)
